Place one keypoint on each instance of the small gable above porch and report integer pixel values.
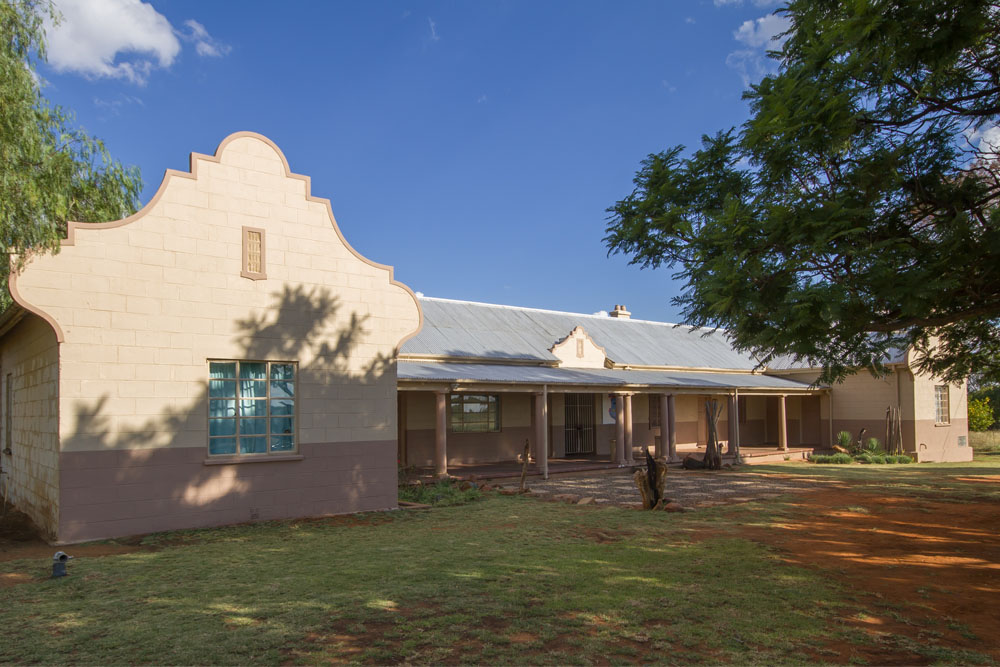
(578, 350)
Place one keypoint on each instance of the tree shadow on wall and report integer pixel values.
(126, 474)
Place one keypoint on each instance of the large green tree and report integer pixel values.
(50, 171)
(856, 210)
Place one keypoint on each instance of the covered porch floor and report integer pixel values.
(507, 470)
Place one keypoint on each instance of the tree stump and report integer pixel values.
(652, 482)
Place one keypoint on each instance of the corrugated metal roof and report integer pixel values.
(895, 355)
(488, 331)
(503, 374)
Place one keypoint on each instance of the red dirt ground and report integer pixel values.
(924, 571)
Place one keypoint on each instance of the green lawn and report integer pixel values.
(500, 580)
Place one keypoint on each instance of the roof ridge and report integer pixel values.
(424, 297)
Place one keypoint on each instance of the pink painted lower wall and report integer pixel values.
(108, 494)
(504, 445)
(942, 442)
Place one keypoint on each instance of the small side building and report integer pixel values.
(221, 356)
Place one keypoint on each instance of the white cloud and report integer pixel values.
(205, 45)
(114, 105)
(763, 32)
(93, 33)
(759, 36)
(120, 39)
(689, 20)
(985, 138)
(434, 32)
(481, 99)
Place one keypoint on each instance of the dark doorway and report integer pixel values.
(579, 424)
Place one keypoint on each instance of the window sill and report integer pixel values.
(231, 460)
(936, 424)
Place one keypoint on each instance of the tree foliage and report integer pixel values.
(980, 414)
(50, 171)
(991, 395)
(850, 215)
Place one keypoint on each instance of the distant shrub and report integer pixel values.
(980, 414)
(442, 493)
(878, 459)
(845, 439)
(991, 392)
(839, 458)
(873, 446)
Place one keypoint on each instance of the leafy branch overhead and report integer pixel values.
(50, 171)
(855, 212)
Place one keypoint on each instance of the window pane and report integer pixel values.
(282, 443)
(222, 446)
(253, 426)
(253, 445)
(282, 389)
(253, 389)
(225, 369)
(283, 407)
(282, 426)
(222, 408)
(476, 413)
(283, 372)
(221, 388)
(253, 408)
(253, 370)
(222, 427)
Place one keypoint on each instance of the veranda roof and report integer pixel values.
(535, 375)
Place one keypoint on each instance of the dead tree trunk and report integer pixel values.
(651, 483)
(713, 458)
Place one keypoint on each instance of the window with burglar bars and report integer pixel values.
(251, 407)
(474, 413)
(942, 409)
(253, 254)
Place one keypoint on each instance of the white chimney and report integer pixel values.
(619, 312)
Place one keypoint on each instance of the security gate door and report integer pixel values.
(579, 424)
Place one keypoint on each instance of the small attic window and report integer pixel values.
(253, 254)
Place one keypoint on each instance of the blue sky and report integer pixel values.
(472, 145)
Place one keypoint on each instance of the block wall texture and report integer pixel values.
(155, 297)
(940, 441)
(29, 355)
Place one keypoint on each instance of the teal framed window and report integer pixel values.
(251, 407)
(474, 413)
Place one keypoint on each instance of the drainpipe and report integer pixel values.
(829, 406)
